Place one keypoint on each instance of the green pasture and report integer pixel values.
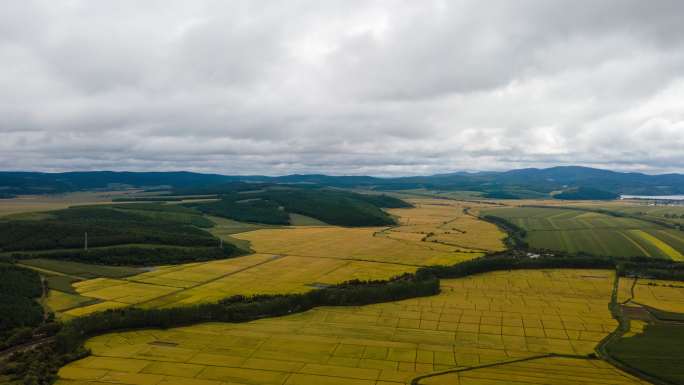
(577, 231)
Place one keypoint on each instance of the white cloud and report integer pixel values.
(342, 87)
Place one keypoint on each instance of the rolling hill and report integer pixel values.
(521, 183)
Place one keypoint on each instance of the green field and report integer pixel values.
(672, 214)
(80, 270)
(576, 231)
(658, 350)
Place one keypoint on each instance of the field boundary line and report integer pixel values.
(274, 258)
(347, 259)
(416, 380)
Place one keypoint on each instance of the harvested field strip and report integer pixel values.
(636, 244)
(674, 238)
(666, 249)
(546, 370)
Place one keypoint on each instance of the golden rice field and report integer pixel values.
(210, 281)
(477, 320)
(351, 243)
(660, 294)
(445, 222)
(58, 301)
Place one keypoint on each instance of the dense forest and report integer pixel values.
(130, 234)
(19, 288)
(137, 255)
(586, 193)
(272, 204)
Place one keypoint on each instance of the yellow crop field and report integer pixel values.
(664, 247)
(58, 301)
(548, 370)
(351, 243)
(210, 281)
(660, 294)
(448, 222)
(281, 275)
(482, 319)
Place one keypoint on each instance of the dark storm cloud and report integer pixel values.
(344, 87)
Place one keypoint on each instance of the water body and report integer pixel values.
(655, 197)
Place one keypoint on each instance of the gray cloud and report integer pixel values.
(343, 87)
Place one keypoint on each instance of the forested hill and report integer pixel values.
(522, 183)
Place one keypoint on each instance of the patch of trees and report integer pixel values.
(168, 213)
(271, 205)
(384, 201)
(586, 193)
(137, 255)
(516, 234)
(651, 268)
(500, 194)
(106, 226)
(245, 209)
(18, 289)
(334, 207)
(516, 261)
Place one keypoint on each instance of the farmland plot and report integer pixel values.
(663, 295)
(547, 370)
(576, 231)
(488, 318)
(210, 281)
(448, 222)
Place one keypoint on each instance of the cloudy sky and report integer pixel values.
(341, 87)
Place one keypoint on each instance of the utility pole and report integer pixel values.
(85, 246)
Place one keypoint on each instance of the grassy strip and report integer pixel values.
(85, 270)
(136, 255)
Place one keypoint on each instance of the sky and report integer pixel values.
(341, 87)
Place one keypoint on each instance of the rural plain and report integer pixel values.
(523, 326)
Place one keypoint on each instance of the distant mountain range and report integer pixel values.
(571, 181)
